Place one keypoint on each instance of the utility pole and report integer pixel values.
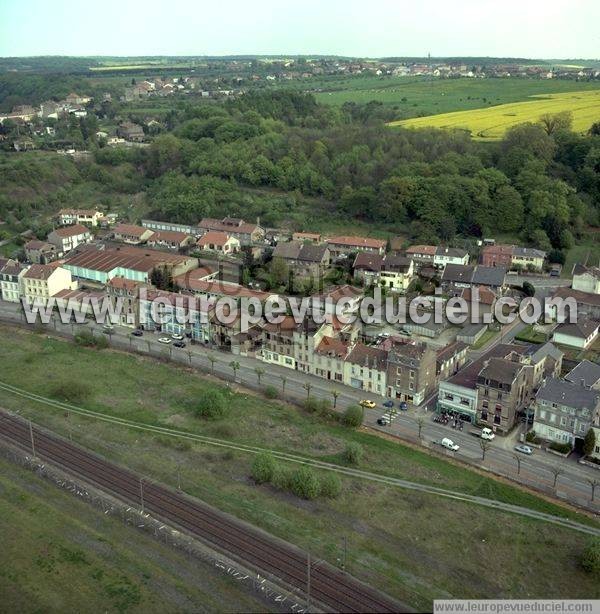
(32, 440)
(178, 476)
(345, 552)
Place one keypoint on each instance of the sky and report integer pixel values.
(373, 28)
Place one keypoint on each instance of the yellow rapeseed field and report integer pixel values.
(491, 123)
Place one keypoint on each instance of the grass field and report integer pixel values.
(491, 123)
(412, 97)
(60, 555)
(405, 542)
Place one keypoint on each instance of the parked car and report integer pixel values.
(484, 433)
(368, 403)
(137, 332)
(523, 449)
(388, 404)
(403, 406)
(179, 344)
(382, 422)
(177, 337)
(449, 444)
(165, 340)
(107, 328)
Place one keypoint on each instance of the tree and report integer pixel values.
(420, 424)
(335, 394)
(594, 483)
(308, 387)
(235, 366)
(263, 468)
(212, 404)
(557, 122)
(212, 359)
(589, 442)
(283, 383)
(280, 271)
(484, 444)
(528, 289)
(352, 453)
(259, 373)
(556, 471)
(353, 416)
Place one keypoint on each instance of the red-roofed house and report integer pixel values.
(132, 234)
(170, 239)
(219, 242)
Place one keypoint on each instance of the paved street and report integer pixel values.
(537, 470)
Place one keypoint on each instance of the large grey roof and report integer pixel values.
(566, 393)
(587, 371)
(489, 275)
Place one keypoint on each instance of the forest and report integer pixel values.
(284, 157)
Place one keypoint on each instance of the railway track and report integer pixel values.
(329, 586)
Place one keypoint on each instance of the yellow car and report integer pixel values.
(367, 403)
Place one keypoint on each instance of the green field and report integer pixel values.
(491, 123)
(60, 555)
(414, 97)
(404, 542)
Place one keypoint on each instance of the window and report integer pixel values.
(484, 415)
(411, 386)
(399, 371)
(412, 374)
(497, 419)
(484, 404)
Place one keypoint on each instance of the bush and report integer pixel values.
(212, 404)
(353, 453)
(271, 392)
(71, 392)
(281, 478)
(531, 437)
(305, 484)
(331, 486)
(318, 406)
(263, 468)
(563, 448)
(353, 416)
(88, 339)
(590, 559)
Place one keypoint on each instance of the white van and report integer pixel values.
(449, 444)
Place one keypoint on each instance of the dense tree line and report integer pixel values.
(542, 181)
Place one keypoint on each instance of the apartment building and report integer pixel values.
(502, 392)
(411, 371)
(41, 281)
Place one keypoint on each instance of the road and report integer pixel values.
(536, 471)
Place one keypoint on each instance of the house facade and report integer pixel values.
(580, 334)
(344, 245)
(246, 233)
(88, 217)
(220, 242)
(411, 372)
(41, 281)
(131, 234)
(67, 238)
(565, 411)
(11, 273)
